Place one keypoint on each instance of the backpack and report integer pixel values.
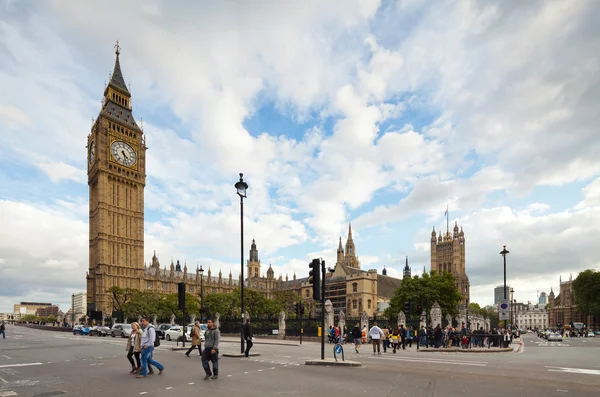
(156, 339)
(2, 327)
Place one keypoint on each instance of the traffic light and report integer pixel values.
(314, 278)
(407, 307)
(181, 295)
(297, 308)
(302, 309)
(419, 309)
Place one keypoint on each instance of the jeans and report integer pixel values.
(3, 334)
(187, 353)
(386, 344)
(137, 358)
(249, 345)
(208, 356)
(147, 360)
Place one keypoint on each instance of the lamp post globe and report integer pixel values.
(241, 188)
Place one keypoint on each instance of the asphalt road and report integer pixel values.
(45, 364)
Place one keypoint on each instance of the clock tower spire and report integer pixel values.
(116, 180)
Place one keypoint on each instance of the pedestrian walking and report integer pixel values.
(212, 337)
(386, 338)
(357, 336)
(134, 348)
(148, 339)
(196, 339)
(395, 339)
(3, 329)
(248, 337)
(376, 335)
(403, 336)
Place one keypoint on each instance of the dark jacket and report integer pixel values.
(356, 332)
(247, 331)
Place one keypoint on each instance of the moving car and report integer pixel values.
(203, 328)
(100, 330)
(123, 330)
(81, 330)
(554, 337)
(591, 335)
(175, 332)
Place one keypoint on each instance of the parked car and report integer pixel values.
(161, 329)
(591, 335)
(175, 332)
(555, 337)
(122, 330)
(100, 330)
(81, 330)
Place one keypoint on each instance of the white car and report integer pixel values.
(554, 337)
(591, 335)
(175, 332)
(203, 328)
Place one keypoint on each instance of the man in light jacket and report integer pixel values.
(212, 338)
(376, 335)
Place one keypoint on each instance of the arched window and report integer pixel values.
(354, 304)
(369, 303)
(354, 287)
(360, 305)
(307, 293)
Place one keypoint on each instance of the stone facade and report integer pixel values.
(562, 309)
(448, 255)
(532, 317)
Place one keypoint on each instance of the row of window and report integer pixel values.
(123, 130)
(120, 100)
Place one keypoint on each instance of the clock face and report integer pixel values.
(92, 152)
(123, 153)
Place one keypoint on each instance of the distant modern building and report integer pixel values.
(499, 293)
(47, 311)
(79, 303)
(29, 307)
(543, 299)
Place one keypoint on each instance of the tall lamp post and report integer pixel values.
(201, 294)
(504, 252)
(241, 188)
(512, 307)
(73, 309)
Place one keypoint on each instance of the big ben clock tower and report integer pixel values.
(116, 153)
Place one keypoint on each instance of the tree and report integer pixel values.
(435, 287)
(31, 318)
(141, 304)
(120, 296)
(286, 301)
(169, 305)
(586, 290)
(51, 319)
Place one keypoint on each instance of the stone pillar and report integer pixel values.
(364, 321)
(192, 318)
(436, 315)
(342, 323)
(328, 315)
(449, 320)
(281, 334)
(154, 319)
(172, 320)
(423, 320)
(217, 320)
(401, 318)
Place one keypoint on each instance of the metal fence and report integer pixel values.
(260, 326)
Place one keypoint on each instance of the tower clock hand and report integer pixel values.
(124, 155)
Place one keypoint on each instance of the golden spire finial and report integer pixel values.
(117, 48)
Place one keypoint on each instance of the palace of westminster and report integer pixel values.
(116, 151)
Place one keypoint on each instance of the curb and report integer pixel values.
(508, 350)
(262, 343)
(239, 355)
(332, 363)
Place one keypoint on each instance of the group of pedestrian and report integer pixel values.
(143, 339)
(396, 338)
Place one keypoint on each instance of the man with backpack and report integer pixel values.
(3, 330)
(149, 341)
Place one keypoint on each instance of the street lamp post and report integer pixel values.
(512, 307)
(73, 309)
(201, 294)
(241, 188)
(504, 252)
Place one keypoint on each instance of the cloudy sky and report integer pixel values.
(370, 112)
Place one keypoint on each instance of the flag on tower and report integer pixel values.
(446, 213)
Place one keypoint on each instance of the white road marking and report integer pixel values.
(191, 383)
(19, 365)
(574, 370)
(3, 380)
(229, 376)
(260, 370)
(417, 360)
(169, 388)
(8, 393)
(144, 392)
(8, 358)
(245, 372)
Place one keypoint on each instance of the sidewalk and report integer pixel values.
(263, 341)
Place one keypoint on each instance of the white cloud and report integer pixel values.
(61, 171)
